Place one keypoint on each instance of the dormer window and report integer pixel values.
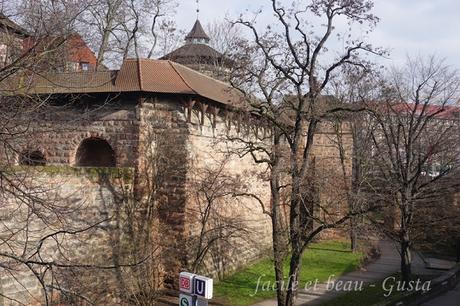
(84, 66)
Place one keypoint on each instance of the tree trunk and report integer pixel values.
(406, 217)
(102, 48)
(279, 241)
(356, 130)
(406, 259)
(295, 236)
(279, 255)
(353, 235)
(296, 261)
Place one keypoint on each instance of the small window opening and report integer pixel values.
(32, 158)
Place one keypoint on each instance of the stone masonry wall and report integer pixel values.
(162, 176)
(58, 132)
(216, 173)
(71, 224)
(332, 178)
(182, 148)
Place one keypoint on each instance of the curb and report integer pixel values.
(440, 285)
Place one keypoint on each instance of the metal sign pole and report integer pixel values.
(200, 302)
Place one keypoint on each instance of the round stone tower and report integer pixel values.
(197, 54)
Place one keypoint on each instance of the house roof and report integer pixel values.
(197, 32)
(6, 22)
(78, 50)
(135, 75)
(436, 110)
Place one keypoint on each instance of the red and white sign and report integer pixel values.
(186, 282)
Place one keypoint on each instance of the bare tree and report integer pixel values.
(353, 89)
(48, 233)
(287, 69)
(414, 137)
(346, 175)
(217, 216)
(224, 35)
(121, 28)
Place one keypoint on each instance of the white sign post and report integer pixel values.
(196, 290)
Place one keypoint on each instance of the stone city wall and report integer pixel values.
(186, 174)
(64, 233)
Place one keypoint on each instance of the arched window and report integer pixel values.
(95, 152)
(32, 158)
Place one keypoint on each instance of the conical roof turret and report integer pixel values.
(197, 34)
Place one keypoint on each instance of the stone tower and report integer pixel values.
(197, 54)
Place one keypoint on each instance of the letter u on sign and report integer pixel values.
(203, 287)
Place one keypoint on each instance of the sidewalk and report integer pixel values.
(388, 263)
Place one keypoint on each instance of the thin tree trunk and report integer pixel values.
(353, 234)
(349, 191)
(355, 179)
(296, 242)
(279, 255)
(279, 241)
(404, 200)
(406, 259)
(294, 269)
(102, 48)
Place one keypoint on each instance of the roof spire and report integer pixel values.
(197, 9)
(197, 35)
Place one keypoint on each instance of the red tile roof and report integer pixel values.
(439, 111)
(137, 75)
(78, 51)
(74, 47)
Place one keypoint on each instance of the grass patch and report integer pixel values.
(372, 294)
(320, 261)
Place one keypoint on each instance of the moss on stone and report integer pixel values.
(125, 173)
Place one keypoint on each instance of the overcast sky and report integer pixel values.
(407, 26)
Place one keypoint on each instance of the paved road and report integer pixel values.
(388, 263)
(450, 298)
